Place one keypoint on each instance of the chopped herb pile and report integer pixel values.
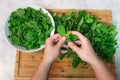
(29, 28)
(102, 37)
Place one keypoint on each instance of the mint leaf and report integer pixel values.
(89, 20)
(75, 62)
(61, 30)
(62, 56)
(73, 37)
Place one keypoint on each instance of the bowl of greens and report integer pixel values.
(27, 28)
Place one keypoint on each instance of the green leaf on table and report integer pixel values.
(89, 20)
(80, 23)
(61, 30)
(62, 56)
(75, 62)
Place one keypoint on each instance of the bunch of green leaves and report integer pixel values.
(29, 28)
(101, 36)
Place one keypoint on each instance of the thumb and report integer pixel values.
(61, 42)
(73, 47)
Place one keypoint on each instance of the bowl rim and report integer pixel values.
(36, 7)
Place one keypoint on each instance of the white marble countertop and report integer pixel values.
(8, 53)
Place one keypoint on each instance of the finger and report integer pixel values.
(49, 41)
(57, 36)
(73, 46)
(81, 37)
(61, 42)
(65, 46)
(78, 42)
(52, 39)
(63, 51)
(57, 39)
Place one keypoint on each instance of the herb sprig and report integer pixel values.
(101, 36)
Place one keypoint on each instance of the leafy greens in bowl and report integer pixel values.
(28, 28)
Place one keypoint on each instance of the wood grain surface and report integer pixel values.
(26, 63)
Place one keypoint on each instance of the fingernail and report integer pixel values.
(63, 38)
(69, 43)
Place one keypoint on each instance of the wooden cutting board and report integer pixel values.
(26, 63)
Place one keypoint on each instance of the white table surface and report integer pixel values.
(8, 53)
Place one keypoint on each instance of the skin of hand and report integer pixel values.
(52, 47)
(87, 54)
(51, 53)
(85, 51)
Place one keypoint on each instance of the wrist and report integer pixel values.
(47, 60)
(94, 61)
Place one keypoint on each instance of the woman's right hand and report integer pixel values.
(85, 51)
(87, 54)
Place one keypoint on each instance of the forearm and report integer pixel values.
(101, 70)
(42, 71)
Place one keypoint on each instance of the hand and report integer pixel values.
(85, 51)
(52, 47)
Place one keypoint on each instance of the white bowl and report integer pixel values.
(22, 48)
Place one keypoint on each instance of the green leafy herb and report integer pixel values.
(62, 56)
(29, 28)
(61, 30)
(73, 37)
(101, 36)
(75, 62)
